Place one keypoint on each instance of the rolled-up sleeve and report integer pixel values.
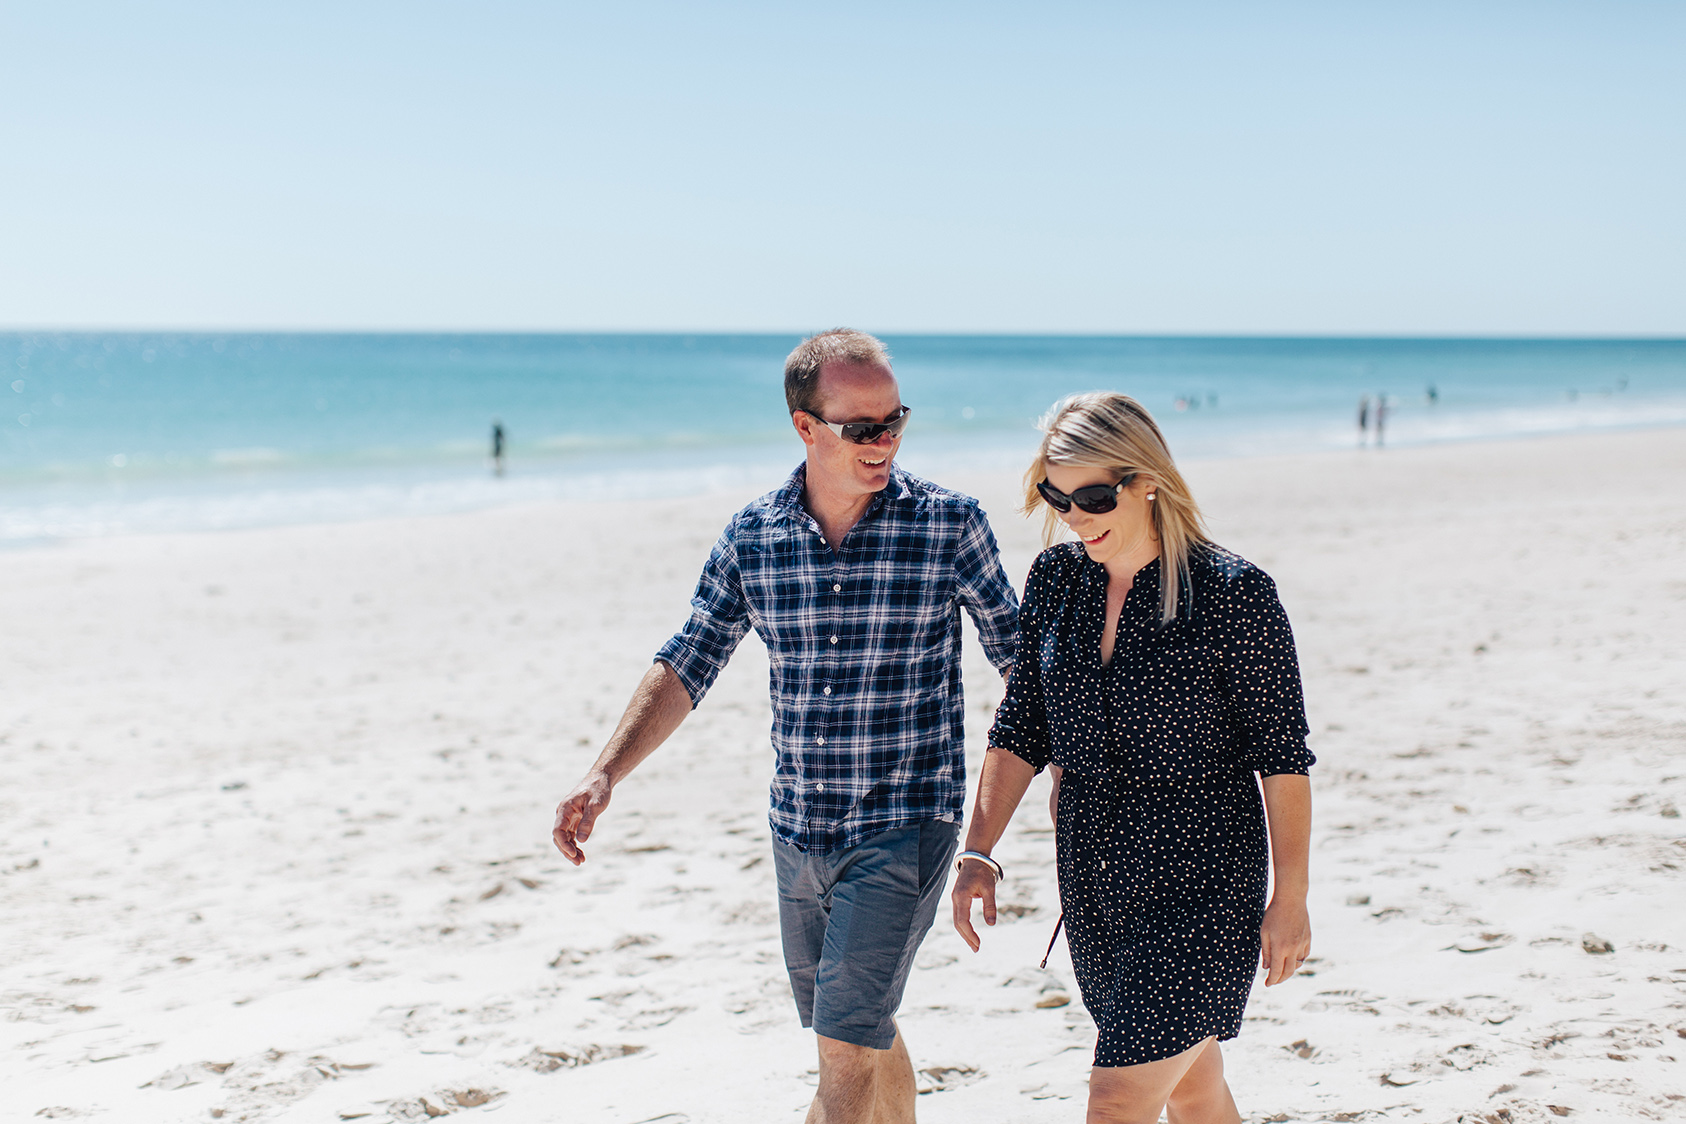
(982, 587)
(719, 619)
(1262, 674)
(1021, 721)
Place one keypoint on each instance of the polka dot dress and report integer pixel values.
(1162, 851)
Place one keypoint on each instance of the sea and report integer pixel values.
(108, 433)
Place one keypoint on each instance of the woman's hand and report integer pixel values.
(1001, 785)
(1285, 937)
(975, 880)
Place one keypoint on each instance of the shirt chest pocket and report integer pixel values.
(907, 600)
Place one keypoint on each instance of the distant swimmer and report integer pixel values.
(1363, 419)
(497, 447)
(1432, 394)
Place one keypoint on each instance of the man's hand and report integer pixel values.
(1285, 937)
(975, 880)
(658, 706)
(578, 812)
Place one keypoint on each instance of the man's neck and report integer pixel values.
(836, 512)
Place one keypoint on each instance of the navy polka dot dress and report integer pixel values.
(1162, 851)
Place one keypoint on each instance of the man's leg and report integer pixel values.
(860, 1085)
(882, 903)
(849, 1073)
(896, 1089)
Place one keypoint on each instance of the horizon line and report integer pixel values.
(929, 333)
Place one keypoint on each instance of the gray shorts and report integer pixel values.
(852, 920)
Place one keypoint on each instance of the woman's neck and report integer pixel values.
(1123, 566)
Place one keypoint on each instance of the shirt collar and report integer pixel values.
(789, 496)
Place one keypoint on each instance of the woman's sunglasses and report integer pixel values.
(1096, 499)
(865, 433)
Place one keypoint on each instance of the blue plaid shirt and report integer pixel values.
(863, 647)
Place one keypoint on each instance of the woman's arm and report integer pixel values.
(1002, 785)
(1286, 933)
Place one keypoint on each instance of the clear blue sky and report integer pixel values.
(1281, 168)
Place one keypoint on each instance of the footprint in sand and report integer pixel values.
(939, 1078)
(650, 1019)
(549, 1061)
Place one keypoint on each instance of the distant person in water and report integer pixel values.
(1432, 394)
(1363, 419)
(497, 448)
(1381, 417)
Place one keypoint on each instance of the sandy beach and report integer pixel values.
(275, 804)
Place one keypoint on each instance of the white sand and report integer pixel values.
(276, 806)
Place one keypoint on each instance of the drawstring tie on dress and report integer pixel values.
(1052, 939)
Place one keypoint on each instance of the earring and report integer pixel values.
(1150, 495)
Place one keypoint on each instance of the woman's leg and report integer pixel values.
(1202, 1096)
(1189, 1086)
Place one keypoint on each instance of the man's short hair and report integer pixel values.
(802, 367)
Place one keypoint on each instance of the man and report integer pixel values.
(853, 574)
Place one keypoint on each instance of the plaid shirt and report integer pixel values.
(863, 647)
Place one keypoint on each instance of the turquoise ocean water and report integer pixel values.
(108, 433)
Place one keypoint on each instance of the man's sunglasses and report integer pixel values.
(1096, 499)
(865, 433)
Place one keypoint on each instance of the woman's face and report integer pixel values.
(1115, 534)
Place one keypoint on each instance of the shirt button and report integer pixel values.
(821, 741)
(834, 639)
(825, 690)
(837, 589)
(819, 788)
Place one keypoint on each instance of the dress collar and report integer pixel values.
(1146, 578)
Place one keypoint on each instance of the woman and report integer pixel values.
(1156, 673)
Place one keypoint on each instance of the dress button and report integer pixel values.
(825, 690)
(834, 639)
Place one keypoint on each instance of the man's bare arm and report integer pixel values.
(658, 706)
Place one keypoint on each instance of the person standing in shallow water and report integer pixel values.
(1156, 674)
(497, 448)
(854, 574)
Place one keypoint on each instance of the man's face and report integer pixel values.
(851, 392)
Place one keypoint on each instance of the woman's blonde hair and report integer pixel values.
(1105, 429)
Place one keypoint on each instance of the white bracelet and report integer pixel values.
(981, 857)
